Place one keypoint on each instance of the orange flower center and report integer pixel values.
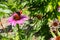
(16, 17)
(58, 38)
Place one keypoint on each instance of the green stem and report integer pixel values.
(58, 33)
(19, 32)
(53, 34)
(30, 37)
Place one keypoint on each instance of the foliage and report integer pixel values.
(35, 26)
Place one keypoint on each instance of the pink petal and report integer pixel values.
(13, 23)
(24, 17)
(20, 22)
(10, 19)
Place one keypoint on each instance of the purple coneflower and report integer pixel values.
(58, 9)
(17, 19)
(54, 25)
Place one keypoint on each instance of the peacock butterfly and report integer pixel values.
(17, 16)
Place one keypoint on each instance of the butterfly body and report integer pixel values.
(17, 16)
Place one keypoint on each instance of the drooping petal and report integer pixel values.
(13, 23)
(10, 19)
(25, 17)
(20, 21)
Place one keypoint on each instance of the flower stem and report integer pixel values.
(19, 33)
(58, 33)
(53, 34)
